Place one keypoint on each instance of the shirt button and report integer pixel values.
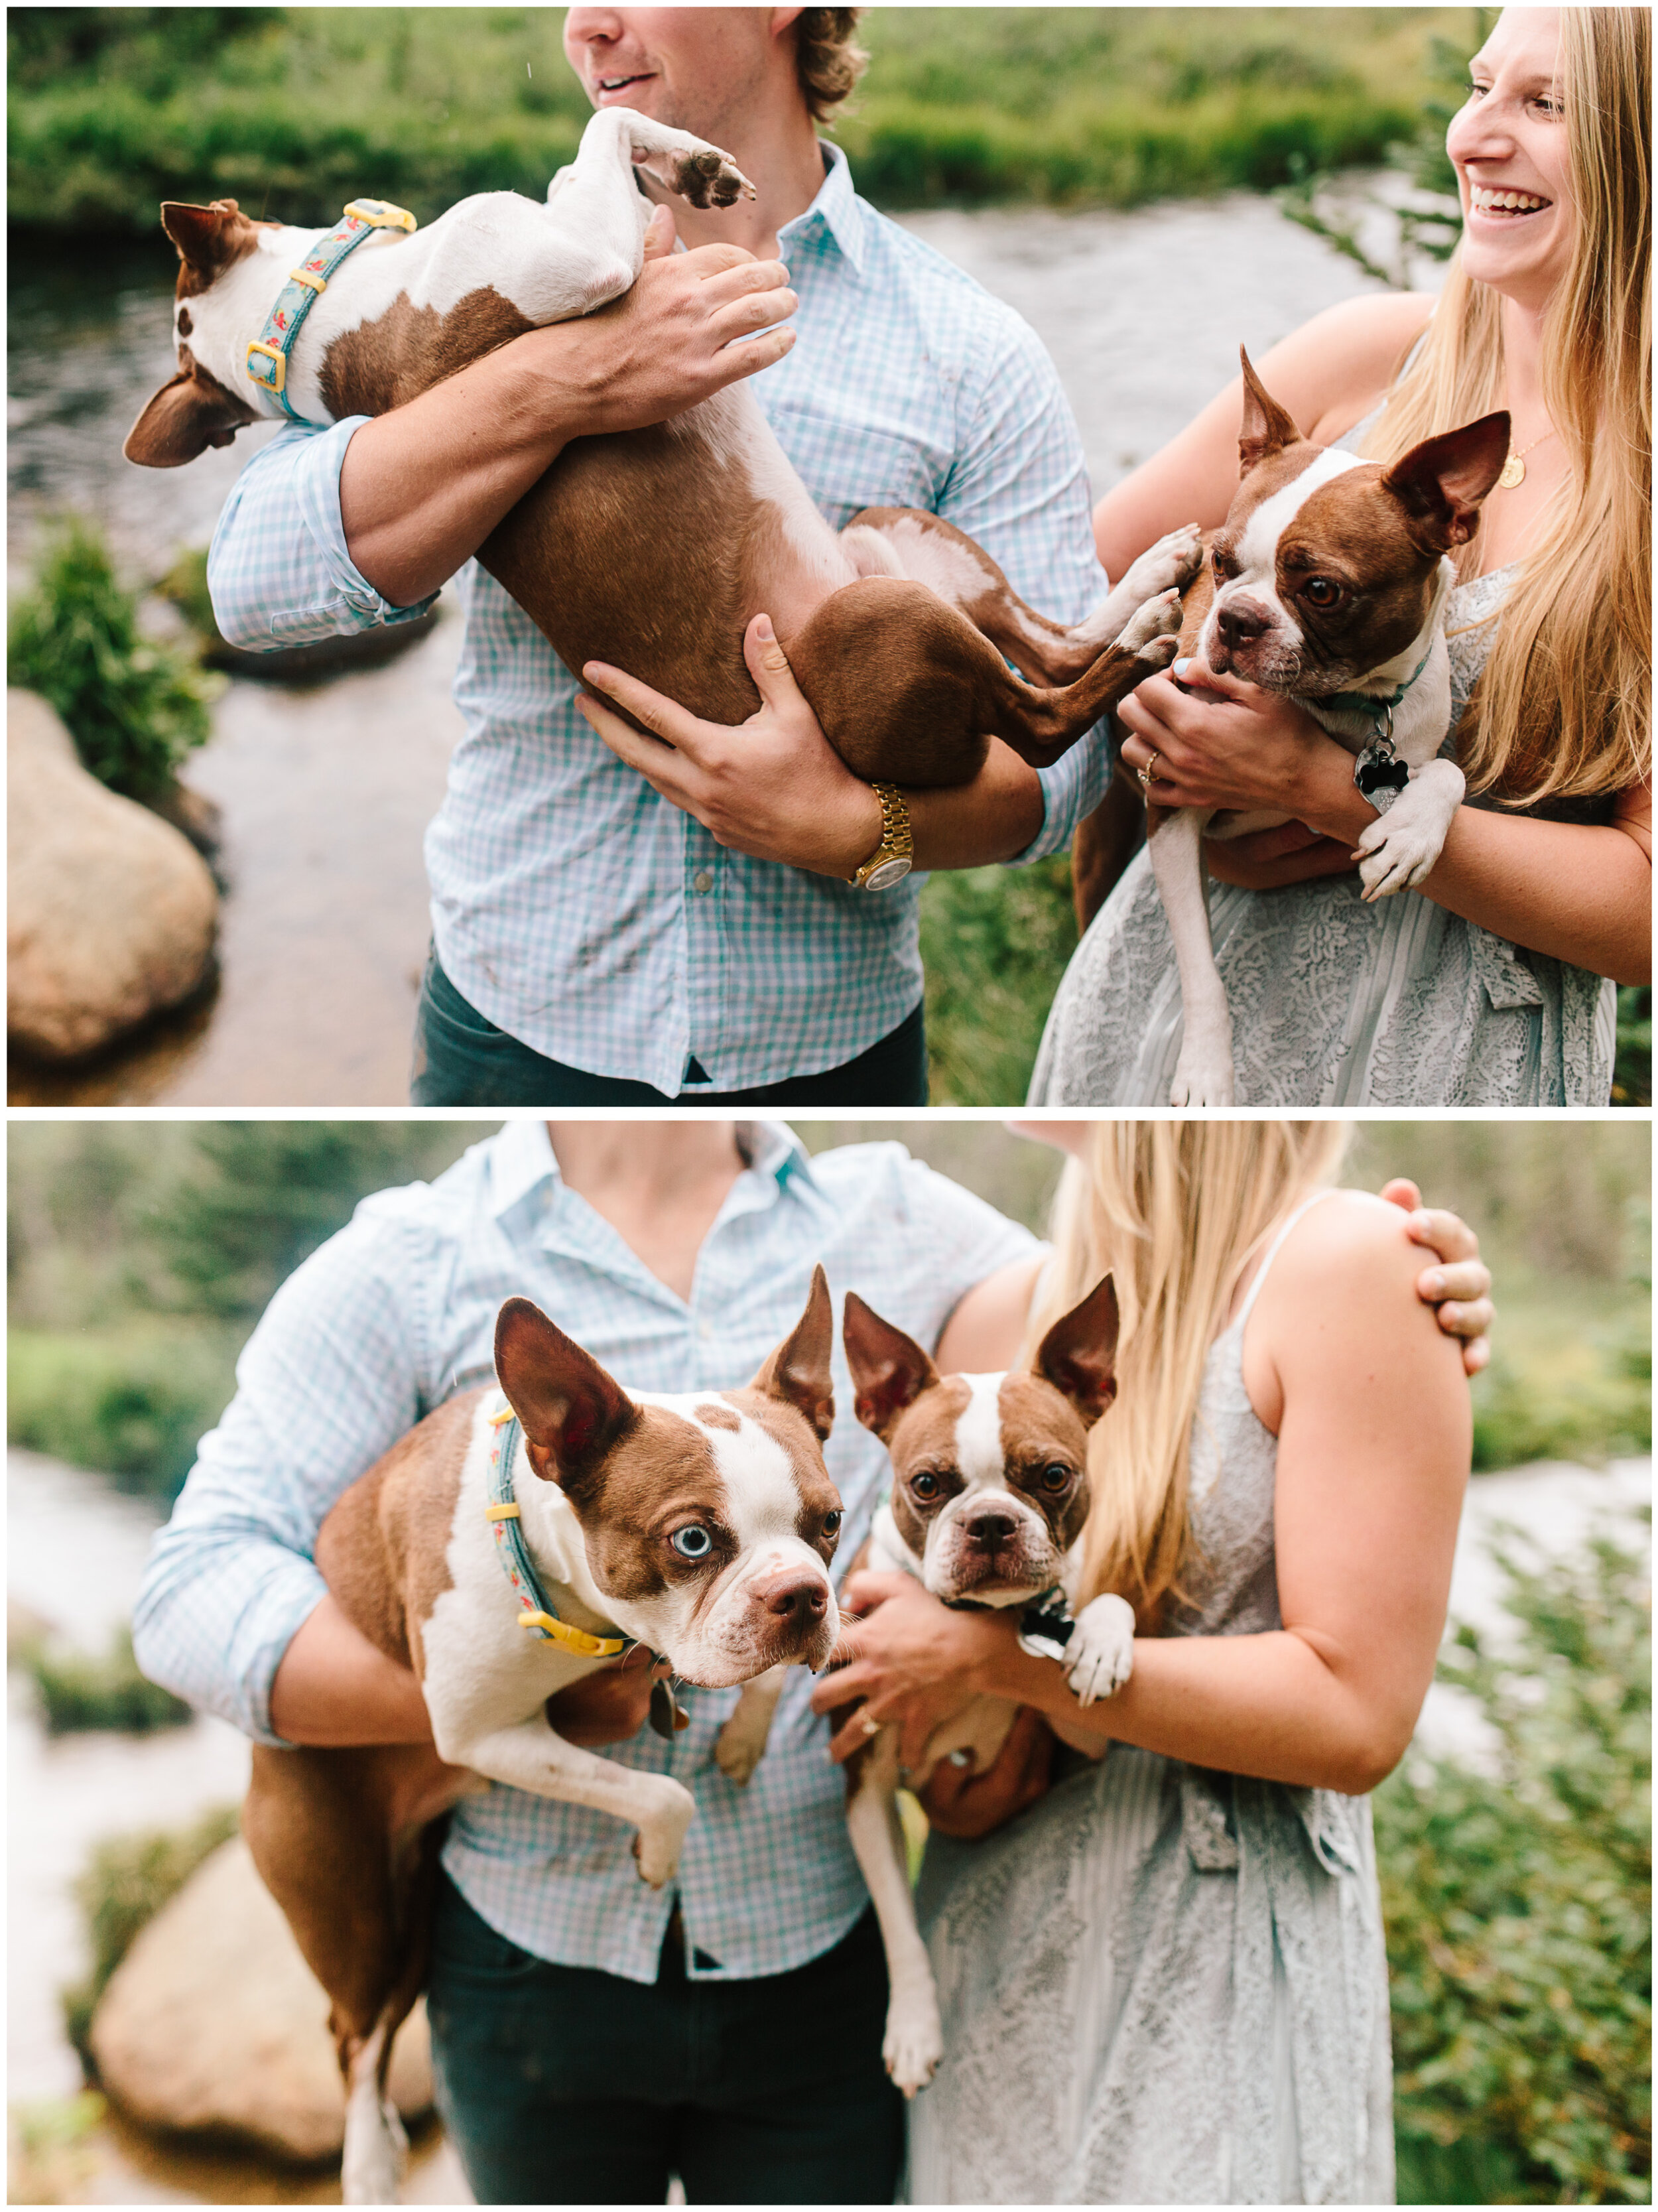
(701, 881)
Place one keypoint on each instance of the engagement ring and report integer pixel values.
(869, 1727)
(1148, 774)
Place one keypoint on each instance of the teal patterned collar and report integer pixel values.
(267, 356)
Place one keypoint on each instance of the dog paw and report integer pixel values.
(1398, 859)
(1099, 1656)
(738, 1751)
(658, 1843)
(1153, 632)
(711, 178)
(1199, 1081)
(1174, 559)
(914, 2044)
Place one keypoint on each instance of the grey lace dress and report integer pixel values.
(1163, 1986)
(1336, 1003)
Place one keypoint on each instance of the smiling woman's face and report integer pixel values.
(1508, 146)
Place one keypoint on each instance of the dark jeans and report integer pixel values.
(461, 1059)
(561, 2085)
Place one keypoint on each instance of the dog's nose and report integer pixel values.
(800, 1598)
(1238, 621)
(990, 1527)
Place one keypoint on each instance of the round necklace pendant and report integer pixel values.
(1513, 473)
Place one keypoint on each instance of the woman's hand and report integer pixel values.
(959, 1803)
(773, 787)
(1268, 859)
(910, 1661)
(1459, 1288)
(1214, 741)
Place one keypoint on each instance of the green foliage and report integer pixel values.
(1632, 1079)
(134, 709)
(1518, 1904)
(995, 942)
(261, 1195)
(77, 1693)
(112, 110)
(131, 1401)
(185, 585)
(127, 1881)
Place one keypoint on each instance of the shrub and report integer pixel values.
(127, 1881)
(134, 709)
(1518, 1904)
(79, 1692)
(131, 1401)
(1632, 1079)
(995, 942)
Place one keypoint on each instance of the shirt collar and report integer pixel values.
(834, 209)
(521, 1159)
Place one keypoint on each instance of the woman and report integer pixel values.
(1489, 986)
(1165, 1983)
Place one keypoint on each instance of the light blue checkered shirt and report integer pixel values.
(396, 1314)
(578, 911)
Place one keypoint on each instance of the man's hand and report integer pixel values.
(910, 1661)
(1267, 859)
(609, 1705)
(959, 1803)
(773, 787)
(1459, 1288)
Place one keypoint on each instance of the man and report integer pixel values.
(591, 2036)
(602, 938)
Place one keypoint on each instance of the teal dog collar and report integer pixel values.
(267, 356)
(503, 1516)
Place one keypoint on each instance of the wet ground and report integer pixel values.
(325, 789)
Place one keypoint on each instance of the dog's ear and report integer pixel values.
(572, 1411)
(190, 412)
(1078, 1355)
(1442, 482)
(1265, 428)
(889, 1368)
(208, 239)
(799, 1370)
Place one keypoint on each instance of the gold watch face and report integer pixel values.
(890, 873)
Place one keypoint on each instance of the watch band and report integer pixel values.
(889, 863)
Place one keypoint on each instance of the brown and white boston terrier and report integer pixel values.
(699, 1524)
(1326, 582)
(989, 1496)
(653, 550)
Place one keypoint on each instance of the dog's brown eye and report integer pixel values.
(925, 1485)
(1319, 591)
(1055, 1479)
(831, 1524)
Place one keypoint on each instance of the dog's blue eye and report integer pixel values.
(692, 1543)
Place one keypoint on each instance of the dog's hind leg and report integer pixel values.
(915, 2040)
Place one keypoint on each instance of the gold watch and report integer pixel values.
(889, 863)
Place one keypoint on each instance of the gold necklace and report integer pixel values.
(1513, 468)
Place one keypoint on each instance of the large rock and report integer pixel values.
(214, 2021)
(109, 912)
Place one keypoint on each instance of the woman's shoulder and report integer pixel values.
(1351, 1243)
(1333, 369)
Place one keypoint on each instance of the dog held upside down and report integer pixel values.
(497, 1551)
(899, 628)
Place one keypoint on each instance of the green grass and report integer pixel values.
(77, 1693)
(129, 1400)
(1519, 1908)
(995, 944)
(294, 111)
(1571, 1376)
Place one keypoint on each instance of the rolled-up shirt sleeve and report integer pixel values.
(1020, 487)
(278, 570)
(326, 1383)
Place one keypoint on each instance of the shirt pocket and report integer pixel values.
(848, 466)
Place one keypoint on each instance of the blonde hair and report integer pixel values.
(826, 62)
(1561, 710)
(1175, 1211)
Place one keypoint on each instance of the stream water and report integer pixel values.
(325, 788)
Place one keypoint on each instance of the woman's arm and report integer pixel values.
(1575, 892)
(1327, 375)
(1372, 1459)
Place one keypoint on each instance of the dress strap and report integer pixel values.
(1250, 1295)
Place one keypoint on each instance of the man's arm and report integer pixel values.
(324, 533)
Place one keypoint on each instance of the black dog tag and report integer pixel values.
(1379, 768)
(668, 1716)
